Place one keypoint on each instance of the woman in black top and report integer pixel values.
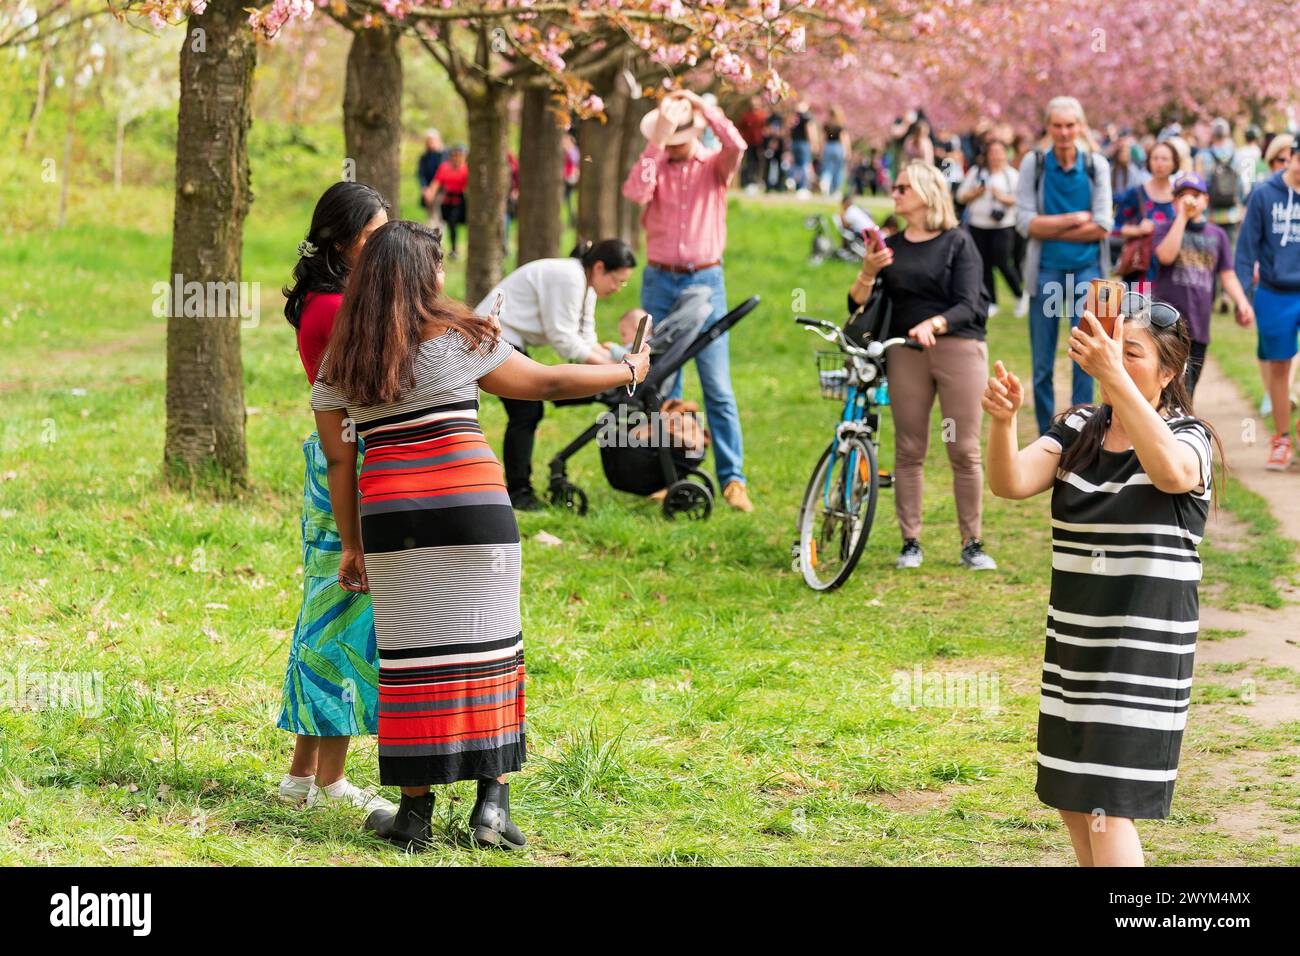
(932, 275)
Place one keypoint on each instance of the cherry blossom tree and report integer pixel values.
(494, 50)
(1132, 61)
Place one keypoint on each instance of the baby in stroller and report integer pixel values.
(651, 446)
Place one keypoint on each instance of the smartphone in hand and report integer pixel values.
(640, 333)
(1103, 301)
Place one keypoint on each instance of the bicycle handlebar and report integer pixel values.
(831, 332)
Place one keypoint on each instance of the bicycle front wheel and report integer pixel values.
(838, 509)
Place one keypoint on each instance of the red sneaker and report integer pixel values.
(1279, 453)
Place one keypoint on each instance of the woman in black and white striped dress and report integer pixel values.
(1130, 483)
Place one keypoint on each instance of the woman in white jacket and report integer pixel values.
(553, 302)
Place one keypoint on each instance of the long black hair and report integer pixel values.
(613, 254)
(1173, 347)
(341, 213)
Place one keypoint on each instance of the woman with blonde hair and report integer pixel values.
(932, 277)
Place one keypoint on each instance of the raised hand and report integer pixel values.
(1004, 394)
(874, 262)
(1098, 354)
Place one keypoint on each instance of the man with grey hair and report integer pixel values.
(1063, 207)
(1227, 177)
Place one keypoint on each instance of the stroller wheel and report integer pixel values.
(705, 480)
(689, 499)
(569, 496)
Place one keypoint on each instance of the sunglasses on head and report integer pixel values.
(1136, 305)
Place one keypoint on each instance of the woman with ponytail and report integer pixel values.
(330, 690)
(1130, 480)
(552, 302)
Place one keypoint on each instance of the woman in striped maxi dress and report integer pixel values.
(434, 538)
(1130, 482)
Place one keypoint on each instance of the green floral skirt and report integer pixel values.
(331, 686)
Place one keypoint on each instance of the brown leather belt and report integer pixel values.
(686, 270)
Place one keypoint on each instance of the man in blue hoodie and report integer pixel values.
(1270, 236)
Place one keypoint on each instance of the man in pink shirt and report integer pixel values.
(683, 187)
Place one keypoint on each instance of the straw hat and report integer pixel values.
(690, 124)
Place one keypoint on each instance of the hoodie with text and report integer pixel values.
(1270, 235)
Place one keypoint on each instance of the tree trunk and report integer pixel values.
(629, 213)
(600, 188)
(372, 111)
(205, 378)
(119, 145)
(488, 190)
(42, 80)
(65, 173)
(541, 179)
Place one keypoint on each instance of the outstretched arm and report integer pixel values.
(521, 377)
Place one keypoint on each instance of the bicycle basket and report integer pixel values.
(833, 375)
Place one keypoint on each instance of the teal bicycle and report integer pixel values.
(839, 504)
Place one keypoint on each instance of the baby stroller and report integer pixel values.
(637, 452)
(851, 246)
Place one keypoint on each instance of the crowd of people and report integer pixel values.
(1168, 212)
(410, 625)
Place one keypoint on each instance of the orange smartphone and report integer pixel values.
(1103, 301)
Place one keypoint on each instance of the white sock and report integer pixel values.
(310, 778)
(338, 789)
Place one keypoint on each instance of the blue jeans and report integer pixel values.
(1058, 292)
(659, 290)
(801, 152)
(832, 166)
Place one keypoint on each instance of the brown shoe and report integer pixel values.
(736, 496)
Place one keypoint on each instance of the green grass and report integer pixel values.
(690, 701)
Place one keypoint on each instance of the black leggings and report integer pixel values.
(1195, 363)
(453, 214)
(997, 249)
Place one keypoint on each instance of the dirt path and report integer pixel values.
(1271, 637)
(1251, 653)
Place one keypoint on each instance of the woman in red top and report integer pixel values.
(330, 688)
(451, 179)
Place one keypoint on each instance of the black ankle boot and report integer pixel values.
(490, 818)
(412, 828)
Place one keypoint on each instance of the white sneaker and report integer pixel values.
(367, 799)
(974, 557)
(993, 309)
(804, 193)
(1022, 307)
(910, 556)
(299, 790)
